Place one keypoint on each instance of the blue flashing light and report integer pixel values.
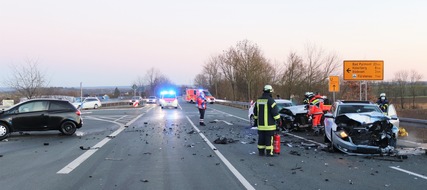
(167, 92)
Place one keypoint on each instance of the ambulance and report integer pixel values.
(192, 93)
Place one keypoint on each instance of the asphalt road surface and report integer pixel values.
(153, 148)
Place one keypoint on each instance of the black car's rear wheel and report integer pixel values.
(4, 131)
(68, 128)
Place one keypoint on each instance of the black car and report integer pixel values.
(40, 115)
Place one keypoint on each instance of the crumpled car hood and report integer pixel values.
(297, 109)
(363, 118)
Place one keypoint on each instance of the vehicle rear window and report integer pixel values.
(60, 105)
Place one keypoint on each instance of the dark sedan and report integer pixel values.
(40, 115)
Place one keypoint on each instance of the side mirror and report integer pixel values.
(329, 115)
(394, 117)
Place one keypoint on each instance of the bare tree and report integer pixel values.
(414, 82)
(319, 66)
(228, 66)
(292, 76)
(200, 80)
(151, 77)
(212, 72)
(27, 79)
(249, 60)
(401, 79)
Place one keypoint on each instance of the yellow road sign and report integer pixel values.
(334, 84)
(363, 70)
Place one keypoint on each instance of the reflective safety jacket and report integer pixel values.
(316, 105)
(266, 113)
(201, 102)
(383, 104)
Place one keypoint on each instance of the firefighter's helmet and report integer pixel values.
(268, 88)
(382, 95)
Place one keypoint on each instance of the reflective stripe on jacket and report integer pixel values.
(201, 102)
(266, 113)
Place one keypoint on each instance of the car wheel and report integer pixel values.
(162, 107)
(176, 107)
(95, 106)
(4, 131)
(325, 138)
(252, 121)
(68, 128)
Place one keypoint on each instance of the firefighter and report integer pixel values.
(267, 116)
(201, 104)
(316, 111)
(383, 102)
(306, 101)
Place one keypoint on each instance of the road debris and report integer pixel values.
(224, 140)
(191, 132)
(144, 180)
(296, 153)
(46, 144)
(87, 148)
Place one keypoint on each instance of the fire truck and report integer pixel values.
(192, 93)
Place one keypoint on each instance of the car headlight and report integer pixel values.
(342, 134)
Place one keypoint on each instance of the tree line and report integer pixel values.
(241, 71)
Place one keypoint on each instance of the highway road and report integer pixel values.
(153, 148)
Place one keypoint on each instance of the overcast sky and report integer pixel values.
(112, 42)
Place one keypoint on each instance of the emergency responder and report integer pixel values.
(267, 116)
(383, 102)
(201, 104)
(306, 101)
(316, 112)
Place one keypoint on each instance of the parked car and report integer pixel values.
(134, 99)
(40, 115)
(360, 127)
(281, 103)
(168, 99)
(152, 100)
(89, 102)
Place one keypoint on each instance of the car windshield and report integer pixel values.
(169, 96)
(152, 97)
(343, 109)
(135, 97)
(207, 93)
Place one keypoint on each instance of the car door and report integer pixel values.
(31, 116)
(392, 113)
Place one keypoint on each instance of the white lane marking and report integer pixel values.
(255, 128)
(79, 160)
(216, 120)
(233, 170)
(230, 115)
(120, 118)
(409, 172)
